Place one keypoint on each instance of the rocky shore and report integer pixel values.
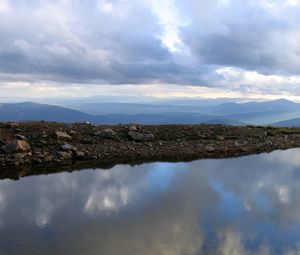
(44, 144)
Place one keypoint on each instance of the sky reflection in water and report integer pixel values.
(248, 205)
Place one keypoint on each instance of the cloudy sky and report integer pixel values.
(170, 48)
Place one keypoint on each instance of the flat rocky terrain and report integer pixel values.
(45, 144)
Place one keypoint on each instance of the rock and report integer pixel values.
(64, 155)
(79, 154)
(37, 160)
(68, 147)
(13, 125)
(16, 146)
(48, 158)
(73, 132)
(20, 137)
(220, 138)
(136, 136)
(19, 156)
(209, 148)
(133, 127)
(63, 136)
(44, 135)
(106, 133)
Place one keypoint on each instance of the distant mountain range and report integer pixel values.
(277, 112)
(251, 112)
(288, 123)
(35, 112)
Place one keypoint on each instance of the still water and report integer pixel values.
(247, 205)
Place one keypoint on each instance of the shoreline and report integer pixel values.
(41, 144)
(19, 172)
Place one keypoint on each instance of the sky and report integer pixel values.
(149, 48)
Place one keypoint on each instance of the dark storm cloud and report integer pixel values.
(120, 42)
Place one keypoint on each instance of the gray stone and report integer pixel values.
(106, 133)
(136, 136)
(68, 147)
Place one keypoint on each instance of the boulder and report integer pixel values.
(63, 136)
(136, 136)
(106, 133)
(16, 146)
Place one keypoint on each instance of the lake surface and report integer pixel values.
(247, 205)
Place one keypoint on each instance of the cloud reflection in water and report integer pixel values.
(247, 205)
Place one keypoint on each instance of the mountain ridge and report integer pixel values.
(257, 113)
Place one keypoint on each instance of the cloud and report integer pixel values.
(81, 41)
(257, 35)
(160, 208)
(120, 42)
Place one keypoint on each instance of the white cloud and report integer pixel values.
(4, 6)
(231, 47)
(293, 2)
(255, 82)
(170, 20)
(283, 194)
